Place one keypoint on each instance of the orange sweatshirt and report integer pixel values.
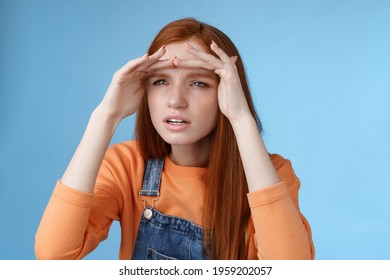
(74, 222)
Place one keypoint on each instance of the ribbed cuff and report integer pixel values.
(267, 195)
(70, 195)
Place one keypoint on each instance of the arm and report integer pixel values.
(62, 231)
(278, 222)
(280, 230)
(258, 167)
(259, 170)
(121, 100)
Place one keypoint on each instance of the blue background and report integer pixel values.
(319, 72)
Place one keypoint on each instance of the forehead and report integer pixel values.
(179, 49)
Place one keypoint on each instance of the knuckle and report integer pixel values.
(118, 75)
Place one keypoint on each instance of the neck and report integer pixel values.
(195, 155)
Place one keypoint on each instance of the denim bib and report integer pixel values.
(163, 237)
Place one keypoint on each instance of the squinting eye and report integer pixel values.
(199, 84)
(160, 82)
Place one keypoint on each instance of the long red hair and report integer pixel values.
(226, 211)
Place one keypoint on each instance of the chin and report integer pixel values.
(184, 139)
(178, 141)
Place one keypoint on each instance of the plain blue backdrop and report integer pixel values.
(319, 72)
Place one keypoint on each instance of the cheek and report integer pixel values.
(209, 109)
(212, 102)
(153, 104)
(154, 98)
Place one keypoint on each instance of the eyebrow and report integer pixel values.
(198, 73)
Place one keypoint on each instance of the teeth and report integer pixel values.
(175, 121)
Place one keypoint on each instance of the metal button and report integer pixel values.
(148, 213)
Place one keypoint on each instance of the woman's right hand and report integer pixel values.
(127, 87)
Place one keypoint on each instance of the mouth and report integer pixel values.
(176, 121)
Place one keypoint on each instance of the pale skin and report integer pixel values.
(126, 91)
(184, 93)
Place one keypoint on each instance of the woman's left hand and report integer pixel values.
(231, 98)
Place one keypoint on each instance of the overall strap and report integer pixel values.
(152, 178)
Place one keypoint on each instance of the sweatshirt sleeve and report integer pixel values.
(281, 231)
(75, 222)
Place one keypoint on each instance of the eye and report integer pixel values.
(199, 84)
(160, 82)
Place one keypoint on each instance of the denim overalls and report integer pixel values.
(162, 237)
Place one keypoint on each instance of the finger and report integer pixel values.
(161, 64)
(132, 64)
(158, 54)
(222, 55)
(212, 60)
(191, 64)
(141, 63)
(197, 63)
(151, 59)
(218, 72)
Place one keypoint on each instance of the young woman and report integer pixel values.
(197, 183)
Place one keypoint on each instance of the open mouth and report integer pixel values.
(176, 121)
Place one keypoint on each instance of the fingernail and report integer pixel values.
(213, 43)
(145, 55)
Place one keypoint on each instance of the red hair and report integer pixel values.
(226, 210)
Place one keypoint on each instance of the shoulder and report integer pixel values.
(126, 148)
(285, 170)
(122, 169)
(123, 154)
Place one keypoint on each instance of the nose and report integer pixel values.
(177, 97)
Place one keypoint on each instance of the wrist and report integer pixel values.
(102, 117)
(244, 120)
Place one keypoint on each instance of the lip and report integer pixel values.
(176, 127)
(176, 117)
